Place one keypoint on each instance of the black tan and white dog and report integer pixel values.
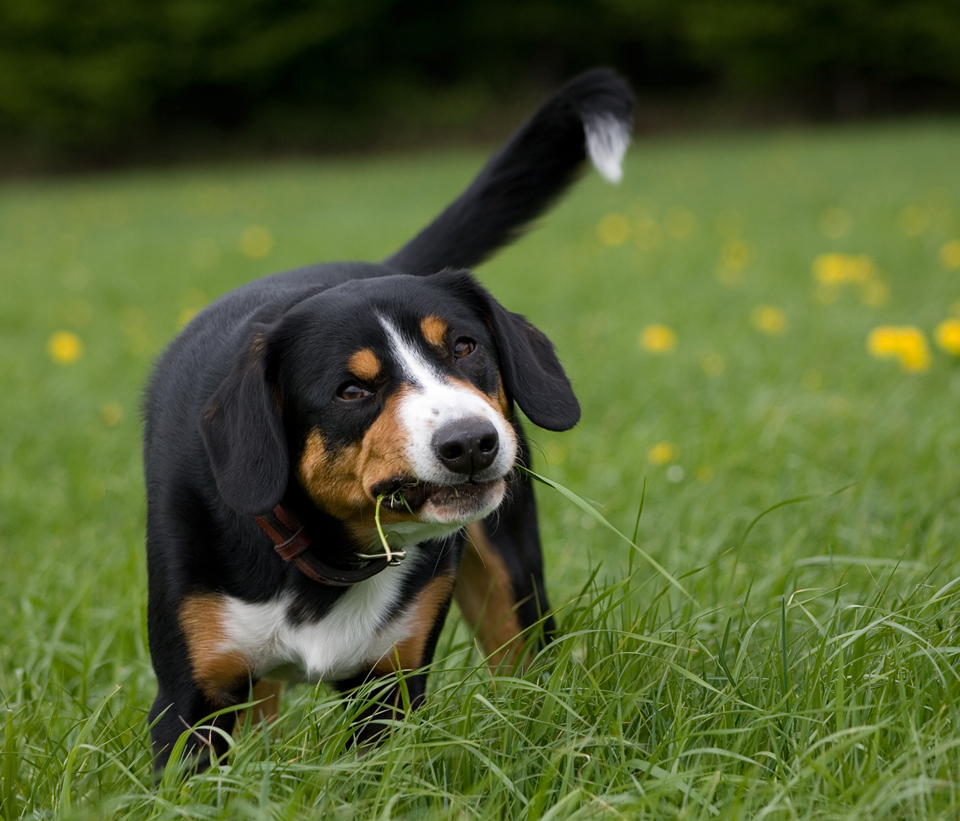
(300, 412)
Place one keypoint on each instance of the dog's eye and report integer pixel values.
(351, 391)
(464, 346)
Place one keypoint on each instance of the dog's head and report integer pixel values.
(396, 387)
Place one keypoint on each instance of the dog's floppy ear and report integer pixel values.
(243, 433)
(532, 374)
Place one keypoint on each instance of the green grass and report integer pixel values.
(810, 673)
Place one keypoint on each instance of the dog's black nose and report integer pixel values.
(467, 446)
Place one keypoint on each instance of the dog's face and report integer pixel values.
(398, 389)
(406, 404)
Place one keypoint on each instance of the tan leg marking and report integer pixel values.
(407, 654)
(486, 599)
(217, 672)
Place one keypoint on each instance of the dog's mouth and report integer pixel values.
(403, 494)
(466, 501)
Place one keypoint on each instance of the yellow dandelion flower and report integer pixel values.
(950, 254)
(663, 453)
(185, 315)
(111, 414)
(713, 364)
(256, 242)
(769, 319)
(947, 335)
(64, 347)
(735, 254)
(830, 268)
(883, 342)
(613, 229)
(906, 343)
(658, 339)
(914, 352)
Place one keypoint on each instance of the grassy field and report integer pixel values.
(750, 323)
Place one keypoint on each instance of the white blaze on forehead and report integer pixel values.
(435, 401)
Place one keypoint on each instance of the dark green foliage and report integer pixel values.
(100, 74)
(773, 44)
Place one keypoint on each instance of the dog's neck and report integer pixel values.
(292, 542)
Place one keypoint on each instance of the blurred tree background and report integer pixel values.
(113, 80)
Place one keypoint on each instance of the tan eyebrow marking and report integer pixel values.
(364, 364)
(434, 330)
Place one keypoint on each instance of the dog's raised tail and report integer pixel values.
(588, 117)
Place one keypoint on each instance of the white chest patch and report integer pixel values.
(352, 637)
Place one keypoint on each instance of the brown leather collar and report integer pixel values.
(292, 542)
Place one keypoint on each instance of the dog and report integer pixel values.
(330, 455)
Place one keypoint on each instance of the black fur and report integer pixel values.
(520, 181)
(233, 401)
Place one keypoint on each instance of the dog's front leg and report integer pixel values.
(400, 675)
(500, 588)
(172, 715)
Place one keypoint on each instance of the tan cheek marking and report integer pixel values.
(382, 456)
(340, 482)
(383, 452)
(407, 654)
(216, 671)
(364, 365)
(486, 599)
(434, 330)
(332, 479)
(500, 399)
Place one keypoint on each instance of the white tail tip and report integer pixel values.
(607, 141)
